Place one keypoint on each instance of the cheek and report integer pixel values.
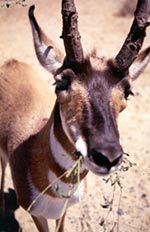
(71, 129)
(72, 111)
(118, 103)
(70, 123)
(62, 96)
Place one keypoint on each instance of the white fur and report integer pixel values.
(81, 146)
(60, 155)
(50, 207)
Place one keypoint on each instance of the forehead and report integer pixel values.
(103, 73)
(98, 76)
(93, 91)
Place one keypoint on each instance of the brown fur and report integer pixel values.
(75, 99)
(34, 156)
(118, 103)
(25, 126)
(22, 106)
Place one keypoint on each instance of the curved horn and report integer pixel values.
(70, 33)
(47, 54)
(135, 38)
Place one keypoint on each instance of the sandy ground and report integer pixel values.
(101, 27)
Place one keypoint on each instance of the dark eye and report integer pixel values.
(127, 93)
(62, 84)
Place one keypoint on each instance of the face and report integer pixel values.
(92, 93)
(90, 104)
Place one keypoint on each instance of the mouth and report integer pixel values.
(100, 161)
(102, 166)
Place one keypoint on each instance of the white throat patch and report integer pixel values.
(60, 155)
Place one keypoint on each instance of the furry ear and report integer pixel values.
(139, 64)
(47, 54)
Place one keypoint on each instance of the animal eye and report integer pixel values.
(62, 84)
(127, 93)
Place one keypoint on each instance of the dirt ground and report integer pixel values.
(101, 26)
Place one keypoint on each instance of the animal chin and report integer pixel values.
(99, 170)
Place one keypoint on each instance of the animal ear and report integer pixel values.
(47, 54)
(139, 64)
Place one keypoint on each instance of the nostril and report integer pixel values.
(116, 161)
(102, 160)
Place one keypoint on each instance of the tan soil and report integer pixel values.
(100, 27)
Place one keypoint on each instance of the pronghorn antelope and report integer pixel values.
(90, 94)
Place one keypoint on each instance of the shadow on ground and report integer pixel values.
(8, 222)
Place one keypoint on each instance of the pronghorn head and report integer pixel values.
(92, 91)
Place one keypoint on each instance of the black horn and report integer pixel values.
(70, 33)
(135, 38)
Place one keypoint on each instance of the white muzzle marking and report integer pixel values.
(81, 146)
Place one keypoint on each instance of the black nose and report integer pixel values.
(102, 161)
